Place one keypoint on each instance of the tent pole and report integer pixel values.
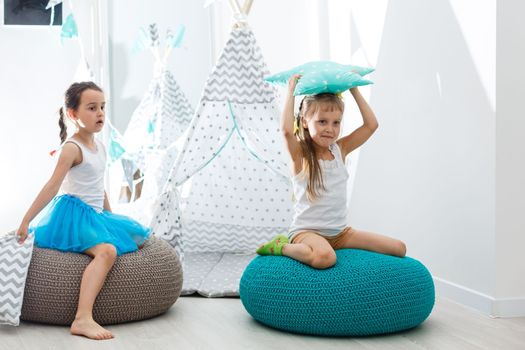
(234, 4)
(247, 7)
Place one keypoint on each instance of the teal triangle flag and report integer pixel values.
(69, 28)
(115, 149)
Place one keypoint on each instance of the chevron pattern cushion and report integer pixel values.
(365, 293)
(14, 261)
(140, 285)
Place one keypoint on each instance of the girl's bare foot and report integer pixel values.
(90, 329)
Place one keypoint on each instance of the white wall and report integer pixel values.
(287, 36)
(35, 70)
(445, 170)
(131, 73)
(510, 158)
(428, 175)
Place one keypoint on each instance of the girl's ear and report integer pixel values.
(304, 123)
(70, 113)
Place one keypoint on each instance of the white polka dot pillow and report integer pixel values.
(323, 76)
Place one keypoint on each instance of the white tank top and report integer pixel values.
(86, 180)
(327, 213)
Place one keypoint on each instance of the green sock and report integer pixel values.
(274, 247)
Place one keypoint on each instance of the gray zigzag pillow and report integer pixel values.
(14, 263)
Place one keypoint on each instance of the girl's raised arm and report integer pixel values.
(287, 124)
(359, 136)
(68, 157)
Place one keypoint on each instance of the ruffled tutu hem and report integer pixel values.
(71, 225)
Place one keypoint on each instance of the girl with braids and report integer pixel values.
(80, 219)
(319, 226)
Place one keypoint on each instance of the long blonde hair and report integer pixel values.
(311, 168)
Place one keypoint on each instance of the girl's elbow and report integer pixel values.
(287, 133)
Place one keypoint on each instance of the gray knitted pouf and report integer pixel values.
(140, 285)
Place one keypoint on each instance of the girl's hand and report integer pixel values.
(21, 233)
(292, 82)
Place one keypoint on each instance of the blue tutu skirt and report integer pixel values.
(70, 225)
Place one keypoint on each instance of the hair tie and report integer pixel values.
(296, 124)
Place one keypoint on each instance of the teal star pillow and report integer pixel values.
(323, 76)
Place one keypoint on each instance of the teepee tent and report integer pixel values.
(157, 123)
(233, 154)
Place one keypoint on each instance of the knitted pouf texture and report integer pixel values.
(141, 285)
(364, 293)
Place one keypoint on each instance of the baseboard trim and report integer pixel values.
(504, 307)
(509, 307)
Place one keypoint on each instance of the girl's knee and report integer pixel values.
(400, 249)
(324, 259)
(107, 252)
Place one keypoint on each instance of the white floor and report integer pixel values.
(201, 323)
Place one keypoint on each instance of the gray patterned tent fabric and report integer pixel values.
(150, 139)
(160, 119)
(150, 142)
(240, 192)
(214, 274)
(234, 155)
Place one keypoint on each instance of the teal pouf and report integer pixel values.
(364, 293)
